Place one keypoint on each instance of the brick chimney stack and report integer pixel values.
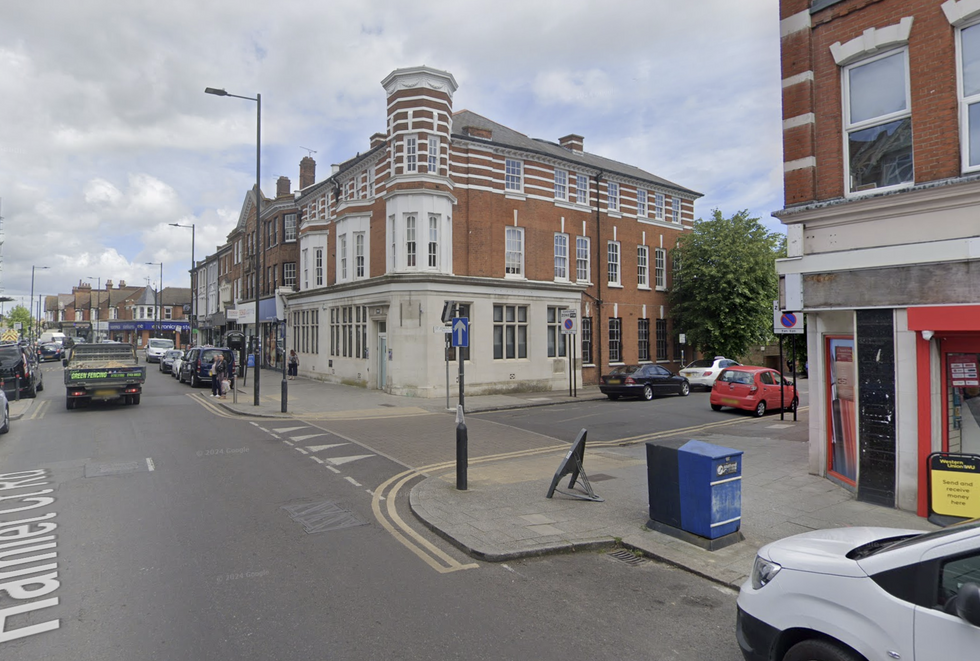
(378, 139)
(282, 186)
(307, 172)
(572, 142)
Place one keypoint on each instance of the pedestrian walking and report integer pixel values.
(219, 374)
(293, 363)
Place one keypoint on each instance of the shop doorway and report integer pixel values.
(382, 356)
(961, 363)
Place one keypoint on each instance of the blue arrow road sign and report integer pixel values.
(461, 331)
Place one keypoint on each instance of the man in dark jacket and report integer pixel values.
(219, 373)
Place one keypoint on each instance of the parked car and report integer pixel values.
(5, 425)
(176, 363)
(702, 373)
(849, 594)
(156, 347)
(196, 366)
(167, 360)
(756, 389)
(646, 381)
(18, 362)
(51, 351)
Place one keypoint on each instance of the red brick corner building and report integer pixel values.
(881, 140)
(450, 206)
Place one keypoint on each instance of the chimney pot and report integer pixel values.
(572, 142)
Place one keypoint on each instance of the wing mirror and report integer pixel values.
(968, 603)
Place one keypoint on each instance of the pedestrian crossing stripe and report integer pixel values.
(317, 448)
(337, 461)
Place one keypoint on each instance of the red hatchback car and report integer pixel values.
(755, 389)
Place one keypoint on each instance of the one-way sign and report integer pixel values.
(461, 331)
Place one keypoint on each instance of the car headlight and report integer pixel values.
(763, 571)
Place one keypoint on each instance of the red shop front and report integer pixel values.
(951, 336)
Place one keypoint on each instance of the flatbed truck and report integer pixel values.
(103, 372)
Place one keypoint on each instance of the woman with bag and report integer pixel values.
(219, 375)
(293, 363)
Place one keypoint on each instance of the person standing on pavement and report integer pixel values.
(219, 374)
(293, 363)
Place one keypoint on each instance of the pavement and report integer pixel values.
(504, 513)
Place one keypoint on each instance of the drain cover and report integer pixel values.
(627, 556)
(324, 516)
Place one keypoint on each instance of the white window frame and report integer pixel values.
(582, 192)
(318, 267)
(342, 256)
(432, 154)
(641, 203)
(411, 153)
(965, 101)
(411, 241)
(660, 206)
(613, 259)
(675, 210)
(583, 259)
(513, 175)
(561, 257)
(612, 196)
(306, 268)
(289, 274)
(514, 252)
(880, 120)
(561, 185)
(359, 257)
(660, 269)
(289, 227)
(433, 243)
(643, 267)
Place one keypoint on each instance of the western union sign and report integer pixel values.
(954, 484)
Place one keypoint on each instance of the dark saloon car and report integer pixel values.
(196, 366)
(646, 381)
(17, 365)
(50, 351)
(167, 361)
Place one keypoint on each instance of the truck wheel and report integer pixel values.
(134, 399)
(69, 404)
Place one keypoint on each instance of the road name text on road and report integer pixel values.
(25, 536)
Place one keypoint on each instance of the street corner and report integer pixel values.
(20, 407)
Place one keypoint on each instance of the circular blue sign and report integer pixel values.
(788, 320)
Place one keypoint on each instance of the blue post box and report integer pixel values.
(710, 480)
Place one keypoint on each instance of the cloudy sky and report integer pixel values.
(106, 135)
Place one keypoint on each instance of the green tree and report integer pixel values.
(724, 284)
(21, 314)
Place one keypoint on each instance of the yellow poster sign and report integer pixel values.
(10, 335)
(954, 481)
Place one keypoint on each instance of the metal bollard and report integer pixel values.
(461, 449)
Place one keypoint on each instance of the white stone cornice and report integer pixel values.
(800, 164)
(799, 120)
(416, 77)
(806, 76)
(959, 12)
(795, 23)
(873, 40)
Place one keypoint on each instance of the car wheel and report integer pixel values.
(794, 405)
(612, 397)
(716, 407)
(685, 389)
(819, 650)
(32, 393)
(6, 420)
(760, 408)
(648, 392)
(195, 382)
(40, 386)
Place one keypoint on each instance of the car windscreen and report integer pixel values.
(208, 355)
(624, 369)
(704, 362)
(736, 376)
(162, 344)
(9, 356)
(903, 542)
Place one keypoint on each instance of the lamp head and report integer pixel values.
(215, 91)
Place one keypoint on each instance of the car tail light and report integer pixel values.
(753, 388)
(629, 381)
(708, 373)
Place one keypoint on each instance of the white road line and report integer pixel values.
(317, 448)
(316, 459)
(283, 430)
(335, 470)
(306, 437)
(301, 450)
(149, 464)
(338, 461)
(372, 493)
(353, 481)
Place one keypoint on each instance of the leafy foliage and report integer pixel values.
(724, 284)
(18, 313)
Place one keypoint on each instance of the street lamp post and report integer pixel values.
(190, 335)
(159, 296)
(259, 263)
(98, 303)
(30, 334)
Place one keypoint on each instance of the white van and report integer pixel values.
(156, 347)
(52, 336)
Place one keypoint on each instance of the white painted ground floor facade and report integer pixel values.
(382, 334)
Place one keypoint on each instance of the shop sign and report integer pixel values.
(954, 484)
(963, 372)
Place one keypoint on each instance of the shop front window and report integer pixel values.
(842, 425)
(963, 402)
